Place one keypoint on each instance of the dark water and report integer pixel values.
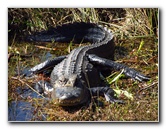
(20, 111)
(23, 110)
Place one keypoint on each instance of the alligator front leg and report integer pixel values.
(43, 66)
(43, 87)
(107, 92)
(111, 64)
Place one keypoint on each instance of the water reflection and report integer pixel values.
(23, 110)
(20, 111)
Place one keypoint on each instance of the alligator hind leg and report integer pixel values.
(107, 92)
(43, 66)
(111, 64)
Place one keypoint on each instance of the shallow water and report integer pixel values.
(20, 111)
(23, 109)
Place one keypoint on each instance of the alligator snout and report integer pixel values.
(68, 95)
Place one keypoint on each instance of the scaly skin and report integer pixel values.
(77, 76)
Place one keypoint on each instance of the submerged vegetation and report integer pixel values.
(136, 38)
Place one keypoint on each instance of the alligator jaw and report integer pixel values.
(69, 96)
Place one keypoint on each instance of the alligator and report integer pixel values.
(76, 77)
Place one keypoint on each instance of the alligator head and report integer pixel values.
(69, 91)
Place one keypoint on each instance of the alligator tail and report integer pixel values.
(77, 32)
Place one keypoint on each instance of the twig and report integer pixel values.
(42, 114)
(151, 85)
(46, 48)
(23, 82)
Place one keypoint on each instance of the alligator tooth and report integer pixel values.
(63, 97)
(109, 30)
(105, 28)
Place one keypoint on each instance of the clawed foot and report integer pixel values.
(111, 99)
(135, 75)
(43, 87)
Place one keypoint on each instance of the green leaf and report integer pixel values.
(124, 92)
